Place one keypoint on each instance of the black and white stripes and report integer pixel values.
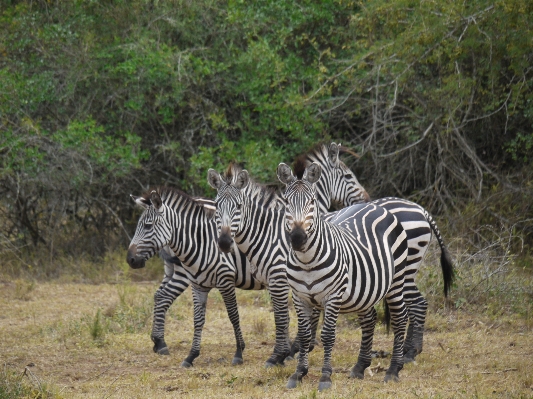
(346, 263)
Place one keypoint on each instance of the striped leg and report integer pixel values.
(417, 309)
(279, 293)
(304, 313)
(200, 302)
(398, 313)
(230, 300)
(368, 324)
(314, 327)
(331, 312)
(163, 298)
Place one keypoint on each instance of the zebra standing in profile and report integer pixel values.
(174, 283)
(172, 218)
(346, 263)
(338, 185)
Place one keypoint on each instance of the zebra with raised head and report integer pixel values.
(338, 185)
(346, 262)
(173, 218)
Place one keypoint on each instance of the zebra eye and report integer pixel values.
(148, 226)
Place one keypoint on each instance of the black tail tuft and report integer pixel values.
(448, 273)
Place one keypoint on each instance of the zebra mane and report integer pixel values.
(318, 151)
(263, 195)
(169, 193)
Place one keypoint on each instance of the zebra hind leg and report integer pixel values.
(398, 312)
(200, 301)
(417, 319)
(368, 324)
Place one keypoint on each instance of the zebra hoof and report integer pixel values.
(163, 351)
(391, 377)
(289, 358)
(269, 364)
(160, 347)
(324, 383)
(186, 365)
(357, 374)
(237, 361)
(293, 382)
(408, 360)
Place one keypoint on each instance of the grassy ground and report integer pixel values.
(92, 341)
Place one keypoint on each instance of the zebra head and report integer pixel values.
(228, 204)
(153, 230)
(338, 184)
(301, 207)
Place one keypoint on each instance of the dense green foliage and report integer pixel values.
(100, 99)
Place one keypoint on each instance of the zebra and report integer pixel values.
(174, 283)
(338, 185)
(346, 262)
(343, 187)
(183, 223)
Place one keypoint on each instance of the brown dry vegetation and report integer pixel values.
(53, 326)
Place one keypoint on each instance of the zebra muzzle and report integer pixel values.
(298, 238)
(225, 241)
(133, 260)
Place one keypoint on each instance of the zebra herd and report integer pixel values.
(251, 237)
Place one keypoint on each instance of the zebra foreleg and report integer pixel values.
(230, 300)
(314, 328)
(200, 301)
(279, 293)
(163, 298)
(368, 324)
(331, 312)
(304, 335)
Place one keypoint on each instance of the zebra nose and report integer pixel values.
(224, 242)
(298, 238)
(133, 260)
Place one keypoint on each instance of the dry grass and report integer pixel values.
(92, 341)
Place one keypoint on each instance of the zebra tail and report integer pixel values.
(446, 264)
(387, 315)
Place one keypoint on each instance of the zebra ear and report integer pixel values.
(243, 178)
(333, 153)
(156, 200)
(142, 202)
(312, 173)
(214, 179)
(285, 173)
